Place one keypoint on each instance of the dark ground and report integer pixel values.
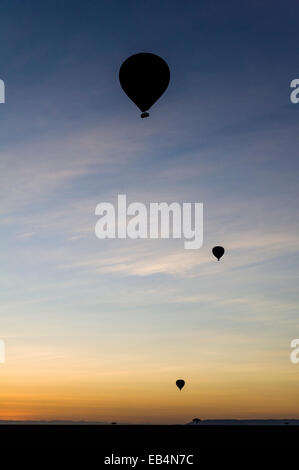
(209, 444)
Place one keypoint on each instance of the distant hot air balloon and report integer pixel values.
(144, 77)
(218, 252)
(180, 383)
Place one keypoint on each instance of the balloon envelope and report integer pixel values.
(218, 252)
(144, 77)
(180, 383)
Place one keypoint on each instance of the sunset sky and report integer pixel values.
(101, 329)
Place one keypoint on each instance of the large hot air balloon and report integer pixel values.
(218, 252)
(180, 383)
(144, 77)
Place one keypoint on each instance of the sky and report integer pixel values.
(101, 329)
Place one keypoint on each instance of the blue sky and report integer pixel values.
(224, 133)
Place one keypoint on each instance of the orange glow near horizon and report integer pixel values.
(36, 390)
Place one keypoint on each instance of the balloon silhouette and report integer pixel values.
(180, 383)
(218, 252)
(144, 77)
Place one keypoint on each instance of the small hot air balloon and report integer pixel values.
(144, 77)
(180, 383)
(218, 252)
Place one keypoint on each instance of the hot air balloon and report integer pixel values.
(180, 383)
(144, 77)
(218, 252)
